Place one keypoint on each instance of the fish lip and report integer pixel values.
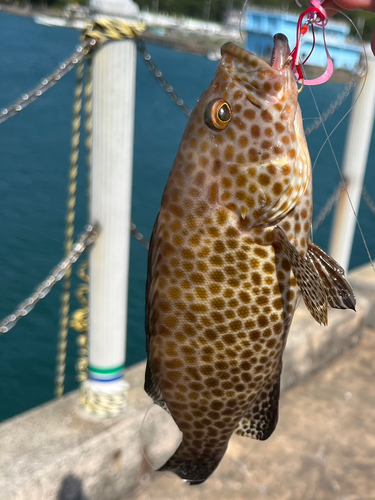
(280, 51)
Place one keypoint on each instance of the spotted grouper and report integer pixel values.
(229, 252)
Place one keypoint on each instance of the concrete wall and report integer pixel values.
(57, 452)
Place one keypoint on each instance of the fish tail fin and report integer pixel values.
(192, 469)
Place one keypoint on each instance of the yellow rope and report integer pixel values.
(79, 322)
(88, 128)
(69, 232)
(104, 29)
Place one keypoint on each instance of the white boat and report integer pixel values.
(61, 22)
(214, 55)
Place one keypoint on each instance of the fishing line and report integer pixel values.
(362, 70)
(328, 140)
(244, 7)
(152, 458)
(143, 447)
(343, 180)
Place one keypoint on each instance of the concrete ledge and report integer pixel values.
(56, 452)
(53, 452)
(310, 347)
(363, 281)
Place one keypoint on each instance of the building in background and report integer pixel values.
(260, 25)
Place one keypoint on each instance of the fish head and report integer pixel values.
(245, 136)
(263, 84)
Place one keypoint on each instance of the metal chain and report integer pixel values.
(57, 273)
(69, 231)
(331, 202)
(335, 104)
(49, 82)
(367, 199)
(139, 236)
(155, 71)
(95, 33)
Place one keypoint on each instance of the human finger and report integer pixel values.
(349, 4)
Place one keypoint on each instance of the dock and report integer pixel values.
(323, 446)
(105, 441)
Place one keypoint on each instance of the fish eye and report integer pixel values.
(218, 114)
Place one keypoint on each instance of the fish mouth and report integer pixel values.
(247, 61)
(280, 51)
(249, 72)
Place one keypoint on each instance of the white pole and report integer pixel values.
(114, 65)
(358, 140)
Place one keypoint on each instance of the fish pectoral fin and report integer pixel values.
(308, 279)
(340, 294)
(152, 388)
(260, 420)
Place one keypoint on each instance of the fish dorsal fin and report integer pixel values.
(340, 294)
(260, 419)
(312, 287)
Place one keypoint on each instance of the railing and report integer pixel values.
(104, 390)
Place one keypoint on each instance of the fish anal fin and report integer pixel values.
(194, 469)
(340, 294)
(311, 286)
(261, 418)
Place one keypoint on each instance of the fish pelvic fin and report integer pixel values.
(261, 418)
(152, 388)
(340, 294)
(310, 283)
(193, 469)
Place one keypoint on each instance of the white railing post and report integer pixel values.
(114, 66)
(357, 144)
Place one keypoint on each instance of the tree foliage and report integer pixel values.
(198, 9)
(189, 8)
(215, 9)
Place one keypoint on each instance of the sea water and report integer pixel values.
(34, 153)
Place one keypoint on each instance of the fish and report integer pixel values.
(230, 252)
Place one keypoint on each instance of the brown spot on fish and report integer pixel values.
(255, 131)
(249, 114)
(266, 116)
(253, 155)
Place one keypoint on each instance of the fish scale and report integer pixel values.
(228, 253)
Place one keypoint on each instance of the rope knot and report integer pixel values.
(104, 29)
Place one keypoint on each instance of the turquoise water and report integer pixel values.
(34, 151)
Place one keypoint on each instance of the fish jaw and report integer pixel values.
(264, 84)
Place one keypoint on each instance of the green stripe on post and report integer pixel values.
(106, 371)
